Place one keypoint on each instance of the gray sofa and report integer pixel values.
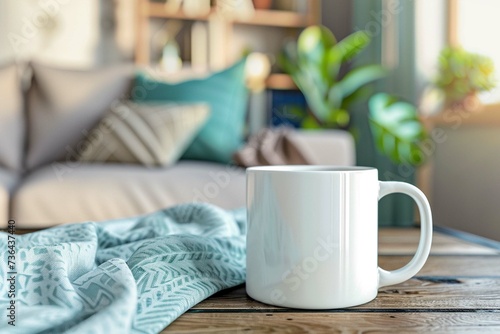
(41, 186)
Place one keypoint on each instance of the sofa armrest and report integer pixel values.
(326, 147)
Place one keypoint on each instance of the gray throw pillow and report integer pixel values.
(148, 134)
(64, 105)
(12, 127)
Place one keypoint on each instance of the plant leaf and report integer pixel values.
(359, 77)
(314, 92)
(310, 123)
(288, 58)
(353, 44)
(397, 129)
(362, 93)
(313, 44)
(338, 118)
(335, 97)
(334, 62)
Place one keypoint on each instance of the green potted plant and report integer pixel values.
(462, 75)
(314, 62)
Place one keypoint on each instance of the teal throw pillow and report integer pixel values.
(226, 94)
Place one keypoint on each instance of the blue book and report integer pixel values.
(288, 108)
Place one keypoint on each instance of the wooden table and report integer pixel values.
(457, 291)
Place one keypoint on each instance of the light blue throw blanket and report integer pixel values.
(124, 276)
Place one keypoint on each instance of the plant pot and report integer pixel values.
(470, 103)
(262, 4)
(291, 5)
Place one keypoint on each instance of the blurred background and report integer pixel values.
(174, 39)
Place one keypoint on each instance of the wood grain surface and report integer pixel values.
(457, 291)
(404, 242)
(338, 322)
(456, 265)
(437, 293)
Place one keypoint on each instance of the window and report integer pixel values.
(475, 25)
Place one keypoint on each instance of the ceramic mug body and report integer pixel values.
(312, 236)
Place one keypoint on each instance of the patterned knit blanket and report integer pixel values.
(124, 276)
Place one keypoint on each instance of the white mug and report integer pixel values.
(312, 235)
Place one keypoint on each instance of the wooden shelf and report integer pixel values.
(276, 18)
(280, 81)
(486, 115)
(271, 18)
(157, 9)
(221, 32)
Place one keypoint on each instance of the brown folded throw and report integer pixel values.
(271, 147)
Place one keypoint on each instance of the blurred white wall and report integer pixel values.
(68, 33)
(466, 180)
(431, 38)
(6, 52)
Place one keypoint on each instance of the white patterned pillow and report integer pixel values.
(148, 134)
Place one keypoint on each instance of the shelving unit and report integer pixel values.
(272, 18)
(157, 9)
(280, 81)
(277, 18)
(290, 21)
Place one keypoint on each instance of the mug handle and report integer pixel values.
(424, 245)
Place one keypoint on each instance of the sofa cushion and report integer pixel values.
(148, 134)
(12, 129)
(64, 105)
(326, 147)
(8, 181)
(99, 192)
(224, 91)
(285, 146)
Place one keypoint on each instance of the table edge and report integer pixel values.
(469, 237)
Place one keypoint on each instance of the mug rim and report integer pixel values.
(311, 169)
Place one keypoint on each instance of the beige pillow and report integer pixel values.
(149, 134)
(64, 105)
(12, 127)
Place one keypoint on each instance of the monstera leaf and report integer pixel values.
(314, 63)
(396, 129)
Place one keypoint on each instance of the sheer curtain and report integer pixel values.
(477, 31)
(391, 23)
